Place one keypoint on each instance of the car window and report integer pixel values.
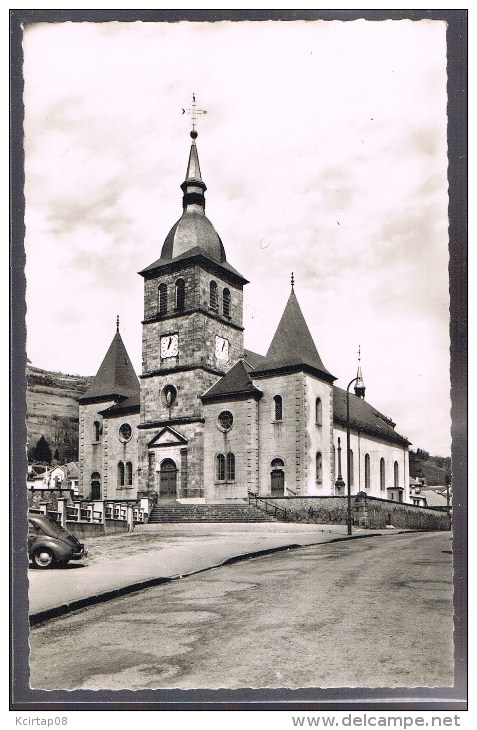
(32, 528)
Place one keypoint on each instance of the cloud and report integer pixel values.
(323, 150)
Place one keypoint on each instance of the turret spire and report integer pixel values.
(359, 387)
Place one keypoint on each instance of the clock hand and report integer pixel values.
(170, 340)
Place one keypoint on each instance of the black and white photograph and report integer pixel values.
(238, 311)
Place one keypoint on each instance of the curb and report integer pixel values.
(65, 608)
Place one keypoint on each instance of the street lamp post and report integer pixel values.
(360, 390)
(348, 455)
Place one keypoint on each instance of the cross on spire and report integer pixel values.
(359, 353)
(193, 112)
(292, 281)
(117, 323)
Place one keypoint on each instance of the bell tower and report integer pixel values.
(192, 334)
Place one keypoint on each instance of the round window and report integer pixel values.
(225, 420)
(125, 432)
(170, 394)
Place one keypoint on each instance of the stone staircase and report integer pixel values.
(176, 512)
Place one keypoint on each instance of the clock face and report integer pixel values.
(170, 345)
(221, 348)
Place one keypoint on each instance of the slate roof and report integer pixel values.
(196, 251)
(116, 376)
(253, 359)
(235, 383)
(433, 498)
(292, 345)
(364, 417)
(127, 405)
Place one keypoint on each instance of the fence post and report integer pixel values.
(77, 505)
(130, 517)
(62, 510)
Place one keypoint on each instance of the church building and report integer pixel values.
(210, 421)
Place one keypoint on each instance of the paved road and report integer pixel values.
(155, 552)
(363, 613)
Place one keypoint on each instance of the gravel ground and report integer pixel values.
(148, 537)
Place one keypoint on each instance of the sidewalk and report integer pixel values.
(154, 554)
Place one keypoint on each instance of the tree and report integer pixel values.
(42, 451)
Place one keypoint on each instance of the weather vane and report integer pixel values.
(193, 112)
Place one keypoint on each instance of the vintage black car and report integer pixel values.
(49, 544)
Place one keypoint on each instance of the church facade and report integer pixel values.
(210, 421)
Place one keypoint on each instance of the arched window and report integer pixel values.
(120, 474)
(382, 474)
(129, 476)
(367, 471)
(226, 303)
(318, 412)
(213, 297)
(180, 295)
(319, 468)
(230, 466)
(162, 299)
(396, 475)
(220, 467)
(277, 408)
(351, 468)
(96, 431)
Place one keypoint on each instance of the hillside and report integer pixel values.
(434, 469)
(52, 410)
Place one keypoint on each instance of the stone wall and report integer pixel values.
(378, 513)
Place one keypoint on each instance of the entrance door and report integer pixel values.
(168, 480)
(277, 477)
(95, 485)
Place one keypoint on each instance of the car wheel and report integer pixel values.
(43, 558)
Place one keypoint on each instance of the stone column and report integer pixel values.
(62, 510)
(130, 517)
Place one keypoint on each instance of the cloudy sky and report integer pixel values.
(324, 153)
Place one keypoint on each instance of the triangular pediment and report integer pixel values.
(168, 436)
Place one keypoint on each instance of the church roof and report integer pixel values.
(194, 253)
(235, 383)
(128, 405)
(364, 416)
(292, 346)
(116, 376)
(193, 233)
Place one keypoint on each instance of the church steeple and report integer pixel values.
(292, 346)
(359, 387)
(116, 377)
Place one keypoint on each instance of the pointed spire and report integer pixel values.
(116, 376)
(359, 387)
(292, 345)
(193, 185)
